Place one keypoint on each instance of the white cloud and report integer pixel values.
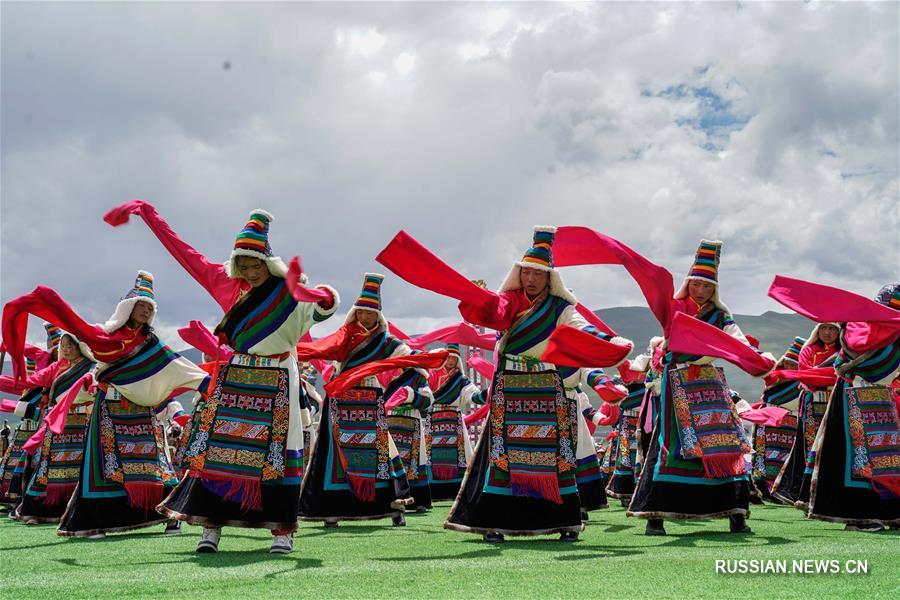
(770, 125)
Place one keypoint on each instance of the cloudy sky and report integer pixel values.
(773, 127)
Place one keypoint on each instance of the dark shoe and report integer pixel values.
(494, 537)
(738, 524)
(584, 515)
(398, 521)
(754, 499)
(173, 527)
(568, 536)
(331, 524)
(421, 510)
(624, 502)
(655, 527)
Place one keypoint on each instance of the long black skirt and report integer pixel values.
(792, 484)
(35, 508)
(674, 500)
(320, 504)
(830, 498)
(193, 503)
(444, 491)
(478, 512)
(90, 516)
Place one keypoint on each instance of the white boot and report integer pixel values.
(209, 541)
(282, 544)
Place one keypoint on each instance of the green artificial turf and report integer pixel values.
(612, 559)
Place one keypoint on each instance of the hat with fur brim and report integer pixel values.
(85, 351)
(253, 241)
(705, 268)
(141, 292)
(369, 299)
(814, 336)
(540, 257)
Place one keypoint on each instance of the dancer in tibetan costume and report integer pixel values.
(692, 470)
(40, 368)
(16, 463)
(522, 479)
(244, 457)
(772, 444)
(856, 474)
(356, 472)
(625, 444)
(820, 350)
(591, 477)
(124, 471)
(57, 461)
(451, 448)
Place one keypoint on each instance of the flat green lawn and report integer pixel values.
(613, 559)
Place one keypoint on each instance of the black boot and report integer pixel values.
(568, 536)
(399, 520)
(331, 524)
(494, 537)
(655, 527)
(584, 515)
(738, 524)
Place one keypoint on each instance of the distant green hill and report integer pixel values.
(775, 331)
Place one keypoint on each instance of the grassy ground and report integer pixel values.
(612, 559)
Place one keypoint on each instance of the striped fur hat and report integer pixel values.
(889, 295)
(141, 292)
(705, 268)
(539, 256)
(30, 365)
(54, 334)
(369, 298)
(793, 352)
(253, 241)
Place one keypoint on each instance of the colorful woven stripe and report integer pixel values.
(532, 433)
(59, 467)
(626, 444)
(54, 335)
(449, 392)
(772, 446)
(15, 461)
(706, 261)
(30, 365)
(873, 452)
(793, 353)
(536, 327)
(360, 442)
(448, 453)
(707, 423)
(370, 296)
(254, 237)
(258, 315)
(781, 393)
(152, 358)
(377, 347)
(540, 255)
(406, 433)
(143, 287)
(241, 438)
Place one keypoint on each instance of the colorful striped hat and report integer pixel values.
(706, 262)
(453, 349)
(141, 292)
(54, 334)
(370, 296)
(793, 353)
(143, 287)
(540, 255)
(889, 295)
(30, 365)
(253, 241)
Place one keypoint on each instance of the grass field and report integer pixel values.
(612, 559)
